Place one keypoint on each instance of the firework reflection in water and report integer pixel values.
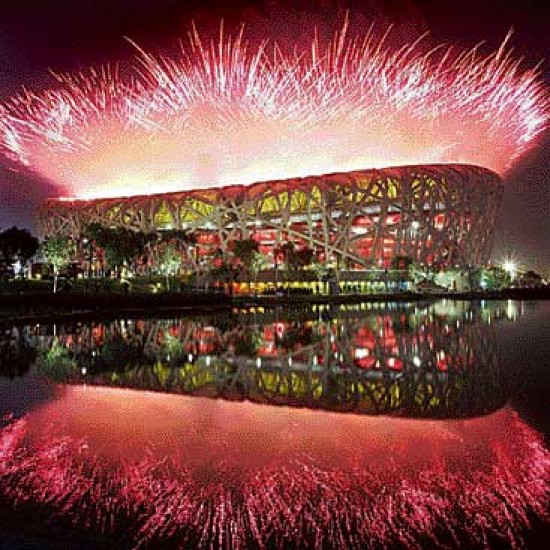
(185, 471)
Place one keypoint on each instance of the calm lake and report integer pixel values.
(422, 425)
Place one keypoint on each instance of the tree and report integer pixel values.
(492, 278)
(58, 251)
(288, 253)
(257, 265)
(449, 278)
(295, 258)
(285, 250)
(401, 263)
(419, 273)
(531, 279)
(184, 242)
(169, 262)
(305, 256)
(223, 272)
(18, 245)
(321, 271)
(121, 245)
(245, 251)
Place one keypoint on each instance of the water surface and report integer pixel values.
(360, 426)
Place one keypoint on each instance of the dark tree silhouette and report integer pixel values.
(18, 245)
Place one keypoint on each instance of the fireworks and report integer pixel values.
(182, 472)
(226, 111)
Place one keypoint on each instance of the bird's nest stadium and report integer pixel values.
(440, 214)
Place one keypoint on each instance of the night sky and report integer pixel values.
(65, 35)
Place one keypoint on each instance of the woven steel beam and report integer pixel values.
(442, 214)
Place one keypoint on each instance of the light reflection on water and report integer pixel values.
(417, 360)
(187, 470)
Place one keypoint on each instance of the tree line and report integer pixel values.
(168, 251)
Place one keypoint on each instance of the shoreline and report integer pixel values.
(26, 308)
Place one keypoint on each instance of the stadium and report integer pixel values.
(361, 151)
(440, 214)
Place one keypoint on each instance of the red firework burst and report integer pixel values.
(227, 112)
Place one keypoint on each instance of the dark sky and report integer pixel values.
(36, 35)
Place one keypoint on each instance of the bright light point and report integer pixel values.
(510, 267)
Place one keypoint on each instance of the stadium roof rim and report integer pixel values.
(366, 171)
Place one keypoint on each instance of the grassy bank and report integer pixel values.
(38, 307)
(27, 307)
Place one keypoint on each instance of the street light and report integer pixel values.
(194, 249)
(510, 267)
(413, 245)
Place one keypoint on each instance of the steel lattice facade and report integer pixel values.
(442, 214)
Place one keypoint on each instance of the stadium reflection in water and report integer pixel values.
(457, 467)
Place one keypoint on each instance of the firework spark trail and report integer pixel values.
(293, 502)
(226, 111)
